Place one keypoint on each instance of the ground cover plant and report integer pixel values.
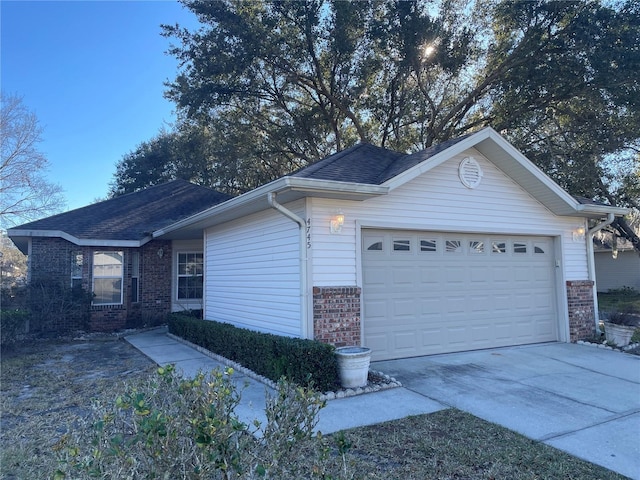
(52, 391)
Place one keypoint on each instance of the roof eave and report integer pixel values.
(20, 239)
(288, 189)
(597, 211)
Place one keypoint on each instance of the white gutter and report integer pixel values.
(271, 199)
(591, 263)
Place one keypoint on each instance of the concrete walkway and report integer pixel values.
(580, 399)
(339, 414)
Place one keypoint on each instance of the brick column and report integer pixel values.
(581, 309)
(336, 315)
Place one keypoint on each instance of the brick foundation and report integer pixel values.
(336, 315)
(581, 309)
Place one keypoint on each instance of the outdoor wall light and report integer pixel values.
(578, 233)
(337, 221)
(160, 253)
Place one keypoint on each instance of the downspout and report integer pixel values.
(271, 199)
(591, 263)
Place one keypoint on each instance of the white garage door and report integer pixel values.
(426, 293)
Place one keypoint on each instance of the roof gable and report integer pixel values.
(130, 217)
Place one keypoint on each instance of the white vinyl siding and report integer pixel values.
(253, 273)
(438, 201)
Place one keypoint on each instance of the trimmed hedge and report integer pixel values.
(306, 362)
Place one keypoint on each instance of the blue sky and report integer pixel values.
(93, 73)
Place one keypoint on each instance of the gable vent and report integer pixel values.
(470, 172)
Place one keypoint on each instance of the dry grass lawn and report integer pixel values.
(47, 386)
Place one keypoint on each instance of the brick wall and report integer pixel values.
(155, 280)
(581, 309)
(50, 261)
(336, 315)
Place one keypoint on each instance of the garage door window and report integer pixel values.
(401, 245)
(519, 247)
(498, 247)
(374, 244)
(476, 246)
(428, 245)
(453, 246)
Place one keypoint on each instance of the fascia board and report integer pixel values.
(256, 200)
(600, 210)
(83, 242)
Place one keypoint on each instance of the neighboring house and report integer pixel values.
(619, 270)
(108, 248)
(462, 246)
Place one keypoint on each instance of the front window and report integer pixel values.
(135, 277)
(107, 278)
(76, 269)
(190, 270)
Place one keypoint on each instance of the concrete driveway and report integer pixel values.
(580, 399)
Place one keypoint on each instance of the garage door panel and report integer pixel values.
(500, 274)
(501, 303)
(429, 275)
(541, 274)
(403, 307)
(478, 275)
(457, 336)
(479, 304)
(378, 343)
(457, 293)
(376, 276)
(405, 341)
(455, 304)
(403, 275)
(481, 334)
(375, 309)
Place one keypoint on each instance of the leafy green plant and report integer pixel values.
(166, 427)
(169, 427)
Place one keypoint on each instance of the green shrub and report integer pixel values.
(166, 427)
(305, 362)
(13, 323)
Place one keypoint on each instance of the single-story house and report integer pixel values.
(616, 268)
(464, 245)
(109, 249)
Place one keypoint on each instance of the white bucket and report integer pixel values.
(353, 366)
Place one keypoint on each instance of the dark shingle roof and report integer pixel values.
(366, 163)
(132, 216)
(362, 163)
